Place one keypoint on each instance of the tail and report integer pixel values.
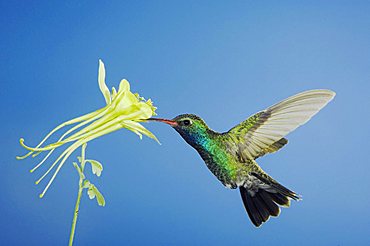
(262, 196)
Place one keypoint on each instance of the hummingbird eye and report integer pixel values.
(186, 122)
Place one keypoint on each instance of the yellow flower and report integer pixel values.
(123, 109)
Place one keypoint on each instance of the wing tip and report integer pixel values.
(325, 92)
(332, 94)
(329, 94)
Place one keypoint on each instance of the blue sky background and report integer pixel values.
(221, 60)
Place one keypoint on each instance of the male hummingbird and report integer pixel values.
(231, 156)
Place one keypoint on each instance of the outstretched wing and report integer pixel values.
(256, 135)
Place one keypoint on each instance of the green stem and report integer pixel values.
(75, 215)
(80, 189)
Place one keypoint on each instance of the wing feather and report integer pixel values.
(262, 130)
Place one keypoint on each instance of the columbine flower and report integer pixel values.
(124, 109)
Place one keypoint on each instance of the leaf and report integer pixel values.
(94, 192)
(96, 167)
(99, 197)
(91, 192)
(86, 184)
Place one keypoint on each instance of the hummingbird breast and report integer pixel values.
(221, 162)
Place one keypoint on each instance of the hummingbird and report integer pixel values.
(231, 156)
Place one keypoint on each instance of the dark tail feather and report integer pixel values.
(270, 205)
(250, 206)
(262, 203)
(280, 199)
(278, 187)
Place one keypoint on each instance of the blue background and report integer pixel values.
(221, 60)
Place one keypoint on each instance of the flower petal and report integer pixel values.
(129, 105)
(101, 79)
(114, 93)
(150, 104)
(124, 85)
(146, 111)
(136, 127)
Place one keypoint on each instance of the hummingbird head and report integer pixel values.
(191, 127)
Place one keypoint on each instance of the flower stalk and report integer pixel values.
(83, 183)
(80, 189)
(123, 109)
